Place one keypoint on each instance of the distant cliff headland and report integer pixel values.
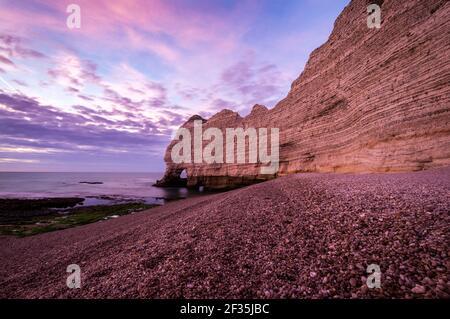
(368, 100)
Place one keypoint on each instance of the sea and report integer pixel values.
(95, 188)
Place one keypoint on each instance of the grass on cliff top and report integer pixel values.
(73, 217)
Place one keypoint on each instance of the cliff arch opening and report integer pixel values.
(174, 177)
(180, 178)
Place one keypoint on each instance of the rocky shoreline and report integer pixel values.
(25, 217)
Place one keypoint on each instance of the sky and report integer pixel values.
(108, 96)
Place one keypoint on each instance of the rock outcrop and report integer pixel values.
(368, 100)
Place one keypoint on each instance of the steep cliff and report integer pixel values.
(368, 100)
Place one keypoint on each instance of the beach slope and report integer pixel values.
(299, 236)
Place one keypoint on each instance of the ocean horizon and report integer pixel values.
(90, 185)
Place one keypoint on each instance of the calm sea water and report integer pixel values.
(117, 185)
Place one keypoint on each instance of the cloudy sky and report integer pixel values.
(109, 95)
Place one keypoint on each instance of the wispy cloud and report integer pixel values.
(17, 160)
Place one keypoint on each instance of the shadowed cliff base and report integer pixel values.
(211, 183)
(299, 236)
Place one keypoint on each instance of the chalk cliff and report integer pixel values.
(368, 100)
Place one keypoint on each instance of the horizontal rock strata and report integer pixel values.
(368, 100)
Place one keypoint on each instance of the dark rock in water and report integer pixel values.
(92, 183)
(15, 209)
(104, 197)
(31, 223)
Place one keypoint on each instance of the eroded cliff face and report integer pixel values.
(368, 100)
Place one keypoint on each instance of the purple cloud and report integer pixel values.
(21, 83)
(13, 46)
(46, 126)
(6, 61)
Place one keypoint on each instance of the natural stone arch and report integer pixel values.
(173, 178)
